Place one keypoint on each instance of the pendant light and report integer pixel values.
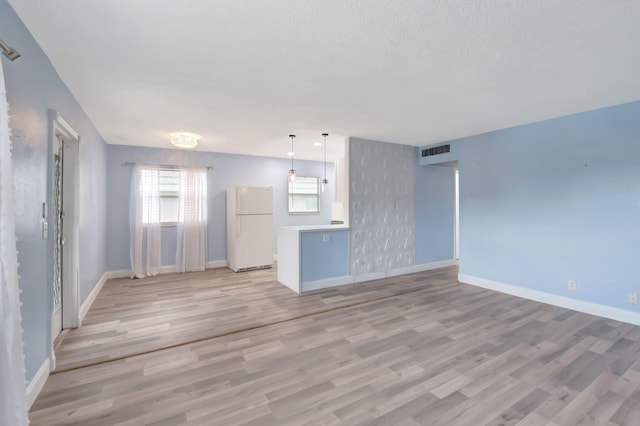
(292, 172)
(325, 181)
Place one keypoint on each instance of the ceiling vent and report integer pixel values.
(436, 150)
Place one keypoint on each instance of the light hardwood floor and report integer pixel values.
(411, 350)
(131, 317)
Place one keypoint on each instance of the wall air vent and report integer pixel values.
(436, 150)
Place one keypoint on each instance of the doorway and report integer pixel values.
(64, 224)
(456, 221)
(455, 176)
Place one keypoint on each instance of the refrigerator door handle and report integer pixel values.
(238, 225)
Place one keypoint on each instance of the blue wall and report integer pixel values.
(320, 260)
(33, 87)
(228, 170)
(556, 200)
(435, 213)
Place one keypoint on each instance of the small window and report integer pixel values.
(304, 195)
(169, 188)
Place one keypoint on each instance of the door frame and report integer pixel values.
(456, 220)
(70, 305)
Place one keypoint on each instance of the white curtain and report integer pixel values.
(144, 221)
(13, 391)
(191, 250)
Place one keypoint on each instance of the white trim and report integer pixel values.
(456, 219)
(326, 283)
(412, 269)
(65, 129)
(119, 273)
(56, 323)
(84, 308)
(211, 264)
(369, 276)
(421, 267)
(553, 299)
(126, 273)
(60, 130)
(71, 228)
(167, 269)
(37, 383)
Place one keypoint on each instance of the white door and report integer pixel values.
(64, 228)
(255, 241)
(57, 237)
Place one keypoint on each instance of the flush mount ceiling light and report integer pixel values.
(184, 139)
(292, 172)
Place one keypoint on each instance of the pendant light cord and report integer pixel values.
(292, 172)
(292, 153)
(324, 135)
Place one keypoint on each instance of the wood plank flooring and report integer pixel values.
(444, 353)
(131, 317)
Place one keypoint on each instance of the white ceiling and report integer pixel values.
(247, 73)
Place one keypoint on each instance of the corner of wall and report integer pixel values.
(37, 383)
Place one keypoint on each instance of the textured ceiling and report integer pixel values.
(245, 73)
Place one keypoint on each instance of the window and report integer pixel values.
(163, 196)
(169, 188)
(159, 188)
(304, 195)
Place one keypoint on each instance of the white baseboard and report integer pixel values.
(84, 308)
(119, 273)
(216, 264)
(421, 267)
(37, 383)
(369, 276)
(328, 282)
(412, 269)
(553, 299)
(165, 269)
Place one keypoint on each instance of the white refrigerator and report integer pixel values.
(249, 228)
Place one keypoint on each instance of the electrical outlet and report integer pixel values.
(571, 285)
(326, 238)
(633, 298)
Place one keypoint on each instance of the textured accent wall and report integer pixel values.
(382, 217)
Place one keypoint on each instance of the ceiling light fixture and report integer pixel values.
(184, 139)
(292, 172)
(325, 181)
